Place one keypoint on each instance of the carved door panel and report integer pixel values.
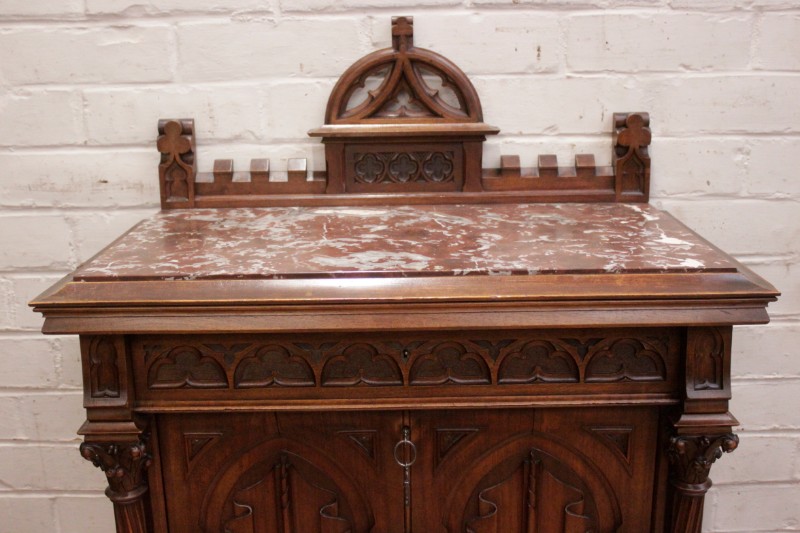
(543, 471)
(281, 473)
(473, 471)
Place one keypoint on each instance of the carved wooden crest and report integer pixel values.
(408, 84)
(405, 125)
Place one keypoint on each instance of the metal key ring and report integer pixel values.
(413, 454)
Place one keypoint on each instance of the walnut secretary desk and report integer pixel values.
(406, 341)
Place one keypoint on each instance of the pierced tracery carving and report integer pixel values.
(370, 168)
(404, 167)
(403, 83)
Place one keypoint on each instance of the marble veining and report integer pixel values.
(426, 240)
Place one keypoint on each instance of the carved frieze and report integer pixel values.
(186, 367)
(626, 360)
(273, 365)
(539, 360)
(450, 362)
(253, 361)
(403, 167)
(361, 364)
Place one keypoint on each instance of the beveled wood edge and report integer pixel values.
(396, 318)
(556, 195)
(417, 289)
(400, 129)
(699, 423)
(416, 403)
(744, 270)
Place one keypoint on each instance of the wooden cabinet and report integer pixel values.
(393, 471)
(407, 342)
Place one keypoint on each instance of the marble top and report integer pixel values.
(403, 241)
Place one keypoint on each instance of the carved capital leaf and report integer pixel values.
(692, 456)
(124, 465)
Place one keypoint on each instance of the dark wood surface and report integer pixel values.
(407, 342)
(289, 472)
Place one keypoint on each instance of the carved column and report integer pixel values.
(702, 433)
(690, 462)
(115, 436)
(125, 466)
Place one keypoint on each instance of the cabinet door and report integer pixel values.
(475, 471)
(282, 473)
(544, 471)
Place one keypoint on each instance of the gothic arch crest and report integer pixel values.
(409, 84)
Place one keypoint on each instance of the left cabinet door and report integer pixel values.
(281, 472)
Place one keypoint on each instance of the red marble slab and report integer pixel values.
(404, 241)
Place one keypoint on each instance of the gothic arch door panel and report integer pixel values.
(502, 471)
(281, 473)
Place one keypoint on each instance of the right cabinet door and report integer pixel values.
(544, 471)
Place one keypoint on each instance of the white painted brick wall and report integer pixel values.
(40, 117)
(119, 55)
(673, 42)
(82, 83)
